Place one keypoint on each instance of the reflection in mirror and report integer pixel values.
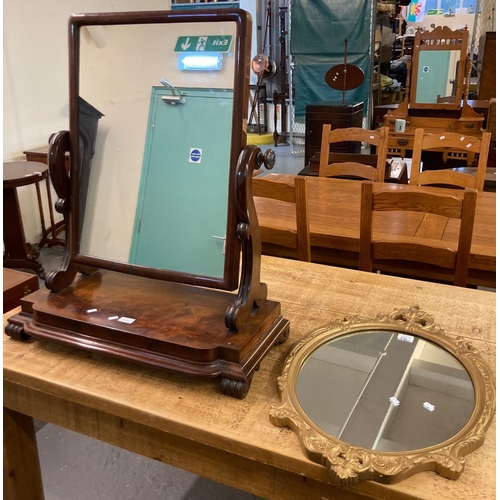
(385, 391)
(158, 185)
(437, 74)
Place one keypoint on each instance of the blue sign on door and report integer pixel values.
(195, 155)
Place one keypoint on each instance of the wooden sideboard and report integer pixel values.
(479, 106)
(401, 144)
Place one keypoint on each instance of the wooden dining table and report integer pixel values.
(334, 215)
(187, 422)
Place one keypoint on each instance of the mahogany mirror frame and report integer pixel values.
(439, 39)
(62, 142)
(348, 464)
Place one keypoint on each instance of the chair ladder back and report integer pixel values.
(419, 201)
(408, 248)
(446, 178)
(302, 218)
(378, 138)
(295, 194)
(416, 157)
(382, 153)
(265, 188)
(351, 169)
(482, 161)
(357, 134)
(451, 140)
(454, 141)
(365, 222)
(324, 154)
(465, 237)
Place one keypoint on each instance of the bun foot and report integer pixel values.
(16, 332)
(235, 388)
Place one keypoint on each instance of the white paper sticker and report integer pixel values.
(124, 319)
(91, 310)
(468, 145)
(405, 338)
(462, 138)
(443, 137)
(372, 137)
(113, 317)
(428, 406)
(394, 401)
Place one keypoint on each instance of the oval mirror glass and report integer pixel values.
(385, 391)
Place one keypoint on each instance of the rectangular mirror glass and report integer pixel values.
(437, 76)
(160, 131)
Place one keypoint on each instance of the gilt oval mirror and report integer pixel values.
(384, 399)
(158, 102)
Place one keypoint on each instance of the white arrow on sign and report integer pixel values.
(186, 44)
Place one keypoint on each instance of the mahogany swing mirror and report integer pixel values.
(158, 207)
(382, 400)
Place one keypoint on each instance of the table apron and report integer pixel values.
(218, 465)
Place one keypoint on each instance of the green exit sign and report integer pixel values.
(219, 43)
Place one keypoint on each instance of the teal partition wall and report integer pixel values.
(318, 31)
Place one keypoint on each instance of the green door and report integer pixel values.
(433, 67)
(182, 210)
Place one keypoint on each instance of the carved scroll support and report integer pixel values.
(59, 144)
(252, 293)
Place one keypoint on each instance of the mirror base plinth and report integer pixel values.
(163, 324)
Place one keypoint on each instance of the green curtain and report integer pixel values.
(318, 31)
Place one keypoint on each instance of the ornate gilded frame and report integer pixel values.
(348, 464)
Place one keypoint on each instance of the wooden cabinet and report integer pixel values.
(338, 116)
(17, 285)
(487, 80)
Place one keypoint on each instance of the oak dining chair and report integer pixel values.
(265, 187)
(450, 142)
(441, 253)
(377, 138)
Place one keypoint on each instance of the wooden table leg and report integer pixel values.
(22, 476)
(18, 254)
